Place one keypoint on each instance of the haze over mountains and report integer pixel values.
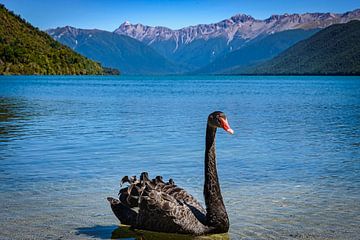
(240, 41)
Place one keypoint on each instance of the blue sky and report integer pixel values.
(109, 14)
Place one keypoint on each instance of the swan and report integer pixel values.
(155, 205)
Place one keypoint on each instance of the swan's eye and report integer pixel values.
(218, 119)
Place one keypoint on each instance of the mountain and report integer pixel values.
(27, 50)
(113, 50)
(238, 42)
(197, 46)
(194, 46)
(240, 25)
(258, 50)
(334, 50)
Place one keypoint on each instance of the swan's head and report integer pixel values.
(219, 120)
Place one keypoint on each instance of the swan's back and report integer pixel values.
(158, 206)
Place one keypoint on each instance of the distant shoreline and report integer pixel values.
(194, 75)
(310, 74)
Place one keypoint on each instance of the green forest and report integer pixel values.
(334, 50)
(26, 50)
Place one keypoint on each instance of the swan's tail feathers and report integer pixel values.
(125, 214)
(132, 194)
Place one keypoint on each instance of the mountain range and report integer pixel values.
(118, 51)
(256, 51)
(238, 42)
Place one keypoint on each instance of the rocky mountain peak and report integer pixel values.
(69, 29)
(240, 26)
(241, 18)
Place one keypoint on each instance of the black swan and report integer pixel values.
(161, 206)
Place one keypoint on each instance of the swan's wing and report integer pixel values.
(183, 196)
(160, 211)
(162, 206)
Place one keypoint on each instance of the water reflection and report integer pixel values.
(97, 231)
(125, 232)
(13, 115)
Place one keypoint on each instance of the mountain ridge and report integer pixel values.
(238, 23)
(197, 46)
(258, 50)
(334, 50)
(131, 55)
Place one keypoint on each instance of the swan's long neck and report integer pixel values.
(215, 209)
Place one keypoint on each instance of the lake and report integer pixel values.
(290, 171)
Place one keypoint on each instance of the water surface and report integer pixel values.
(290, 171)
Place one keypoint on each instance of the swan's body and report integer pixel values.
(163, 206)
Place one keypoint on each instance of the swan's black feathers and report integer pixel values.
(161, 205)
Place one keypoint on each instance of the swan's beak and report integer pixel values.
(225, 125)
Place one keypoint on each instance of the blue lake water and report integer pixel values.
(290, 171)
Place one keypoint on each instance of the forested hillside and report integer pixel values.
(25, 49)
(332, 51)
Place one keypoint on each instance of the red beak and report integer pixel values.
(225, 125)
